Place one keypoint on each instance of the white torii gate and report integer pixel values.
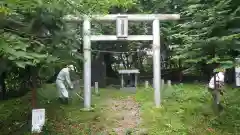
(122, 34)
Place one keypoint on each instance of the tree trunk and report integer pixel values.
(109, 71)
(33, 81)
(3, 86)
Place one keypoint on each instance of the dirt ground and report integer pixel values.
(126, 115)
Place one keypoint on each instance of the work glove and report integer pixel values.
(71, 87)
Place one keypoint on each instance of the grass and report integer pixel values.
(69, 119)
(14, 114)
(186, 110)
(61, 119)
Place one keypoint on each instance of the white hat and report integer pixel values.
(71, 67)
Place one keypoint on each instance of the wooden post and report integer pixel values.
(96, 88)
(162, 83)
(122, 81)
(146, 84)
(136, 79)
(169, 83)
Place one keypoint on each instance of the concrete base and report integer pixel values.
(87, 109)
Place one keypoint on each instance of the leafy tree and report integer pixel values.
(206, 34)
(35, 38)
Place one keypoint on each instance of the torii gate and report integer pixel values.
(122, 34)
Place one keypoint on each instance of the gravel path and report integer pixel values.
(126, 114)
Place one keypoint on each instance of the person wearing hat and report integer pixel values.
(62, 79)
(215, 87)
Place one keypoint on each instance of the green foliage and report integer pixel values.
(34, 29)
(186, 109)
(37, 42)
(206, 32)
(14, 115)
(35, 39)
